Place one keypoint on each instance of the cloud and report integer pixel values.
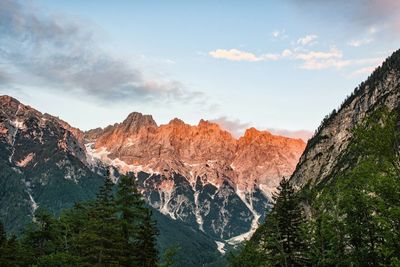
(238, 55)
(275, 34)
(317, 60)
(315, 55)
(307, 40)
(287, 53)
(359, 14)
(235, 127)
(310, 60)
(302, 134)
(61, 54)
(358, 43)
(279, 34)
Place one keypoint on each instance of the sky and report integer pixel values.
(277, 65)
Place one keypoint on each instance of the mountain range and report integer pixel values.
(207, 188)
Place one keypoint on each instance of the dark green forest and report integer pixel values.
(114, 229)
(350, 219)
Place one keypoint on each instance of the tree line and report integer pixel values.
(114, 229)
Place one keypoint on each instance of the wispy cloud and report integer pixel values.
(317, 60)
(64, 55)
(361, 42)
(279, 34)
(310, 59)
(234, 126)
(239, 55)
(307, 40)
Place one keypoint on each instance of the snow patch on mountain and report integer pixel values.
(101, 156)
(199, 219)
(221, 247)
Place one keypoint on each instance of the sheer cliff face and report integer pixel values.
(199, 174)
(323, 151)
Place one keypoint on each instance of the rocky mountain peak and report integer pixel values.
(252, 133)
(206, 123)
(5, 99)
(137, 120)
(13, 108)
(176, 121)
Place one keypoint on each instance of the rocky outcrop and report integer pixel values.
(323, 151)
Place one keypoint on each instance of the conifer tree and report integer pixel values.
(131, 213)
(42, 236)
(281, 240)
(11, 253)
(75, 229)
(3, 235)
(146, 244)
(285, 243)
(103, 240)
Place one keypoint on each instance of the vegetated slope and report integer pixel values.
(323, 151)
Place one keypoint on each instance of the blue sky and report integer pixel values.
(267, 64)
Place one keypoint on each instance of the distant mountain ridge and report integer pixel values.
(198, 175)
(140, 144)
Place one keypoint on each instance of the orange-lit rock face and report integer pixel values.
(263, 158)
(205, 151)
